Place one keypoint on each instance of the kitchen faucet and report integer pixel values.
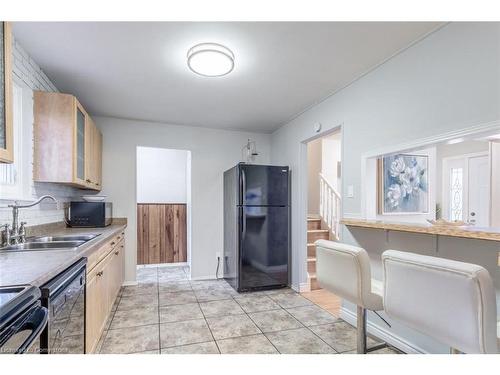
(18, 232)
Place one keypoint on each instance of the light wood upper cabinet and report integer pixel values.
(68, 146)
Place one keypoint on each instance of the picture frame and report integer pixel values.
(403, 184)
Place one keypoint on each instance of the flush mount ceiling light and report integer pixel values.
(210, 59)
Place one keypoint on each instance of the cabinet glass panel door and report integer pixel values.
(80, 145)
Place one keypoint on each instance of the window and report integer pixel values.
(15, 178)
(456, 194)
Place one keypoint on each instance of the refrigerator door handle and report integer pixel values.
(243, 223)
(243, 187)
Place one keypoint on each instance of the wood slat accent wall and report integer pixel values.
(161, 233)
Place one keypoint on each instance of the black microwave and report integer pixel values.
(90, 214)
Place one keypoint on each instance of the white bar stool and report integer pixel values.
(345, 271)
(453, 302)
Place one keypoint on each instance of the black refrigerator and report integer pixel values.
(256, 227)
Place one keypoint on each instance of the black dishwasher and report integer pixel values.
(64, 297)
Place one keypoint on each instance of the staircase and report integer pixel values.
(314, 233)
(323, 226)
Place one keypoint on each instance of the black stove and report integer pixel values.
(22, 318)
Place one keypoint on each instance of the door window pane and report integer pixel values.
(456, 194)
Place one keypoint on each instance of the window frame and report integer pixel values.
(22, 119)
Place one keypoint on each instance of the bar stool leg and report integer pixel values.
(361, 330)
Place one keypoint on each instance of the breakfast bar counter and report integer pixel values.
(478, 233)
(470, 244)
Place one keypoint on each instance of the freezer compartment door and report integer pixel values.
(262, 185)
(263, 247)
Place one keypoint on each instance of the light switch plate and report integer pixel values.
(350, 191)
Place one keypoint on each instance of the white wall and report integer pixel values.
(446, 82)
(457, 149)
(313, 170)
(162, 175)
(212, 152)
(331, 155)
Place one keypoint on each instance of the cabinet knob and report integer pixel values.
(113, 243)
(88, 180)
(100, 273)
(117, 252)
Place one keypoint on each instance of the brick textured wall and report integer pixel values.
(27, 72)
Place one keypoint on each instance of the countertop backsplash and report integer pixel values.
(47, 211)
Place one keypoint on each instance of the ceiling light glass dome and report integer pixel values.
(210, 59)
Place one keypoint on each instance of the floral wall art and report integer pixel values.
(404, 186)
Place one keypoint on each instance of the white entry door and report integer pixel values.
(479, 191)
(466, 189)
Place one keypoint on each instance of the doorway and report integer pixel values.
(324, 173)
(163, 197)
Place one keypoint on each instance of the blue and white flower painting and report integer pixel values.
(405, 180)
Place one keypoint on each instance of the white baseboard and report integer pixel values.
(129, 283)
(180, 264)
(304, 287)
(147, 266)
(381, 333)
(209, 277)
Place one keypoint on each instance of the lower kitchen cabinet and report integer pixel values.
(104, 281)
(94, 311)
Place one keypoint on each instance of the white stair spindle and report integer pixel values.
(329, 205)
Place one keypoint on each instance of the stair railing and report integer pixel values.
(329, 205)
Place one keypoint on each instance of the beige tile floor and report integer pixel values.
(168, 314)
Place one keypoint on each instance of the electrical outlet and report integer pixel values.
(350, 191)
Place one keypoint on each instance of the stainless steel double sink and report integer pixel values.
(67, 242)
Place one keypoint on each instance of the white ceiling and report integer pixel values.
(138, 70)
